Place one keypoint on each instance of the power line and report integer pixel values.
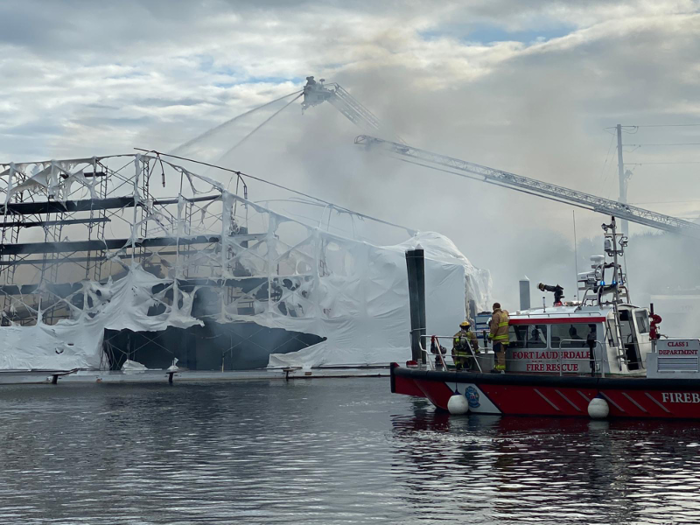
(666, 144)
(674, 162)
(668, 126)
(666, 202)
(635, 127)
(603, 175)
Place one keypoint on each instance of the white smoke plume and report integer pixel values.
(526, 87)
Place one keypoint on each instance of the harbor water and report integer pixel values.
(326, 451)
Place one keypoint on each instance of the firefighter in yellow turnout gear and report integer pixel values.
(499, 336)
(461, 342)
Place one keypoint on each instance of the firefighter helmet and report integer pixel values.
(465, 324)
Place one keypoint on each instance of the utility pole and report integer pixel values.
(622, 176)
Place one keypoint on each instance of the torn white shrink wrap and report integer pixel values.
(245, 262)
(77, 343)
(365, 315)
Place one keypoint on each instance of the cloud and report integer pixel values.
(524, 86)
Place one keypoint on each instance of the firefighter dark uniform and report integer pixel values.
(461, 342)
(499, 336)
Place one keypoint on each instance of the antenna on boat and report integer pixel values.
(573, 212)
(614, 248)
(594, 282)
(615, 244)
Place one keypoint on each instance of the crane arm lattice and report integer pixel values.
(534, 187)
(352, 109)
(317, 92)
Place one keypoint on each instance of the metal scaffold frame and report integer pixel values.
(80, 197)
(100, 258)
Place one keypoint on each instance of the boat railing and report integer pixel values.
(427, 354)
(598, 359)
(439, 353)
(598, 362)
(596, 365)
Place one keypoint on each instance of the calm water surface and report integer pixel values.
(326, 451)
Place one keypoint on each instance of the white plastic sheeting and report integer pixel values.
(259, 265)
(53, 179)
(365, 315)
(133, 366)
(77, 342)
(64, 346)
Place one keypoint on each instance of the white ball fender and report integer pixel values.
(458, 405)
(598, 408)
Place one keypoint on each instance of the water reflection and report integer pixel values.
(486, 469)
(326, 452)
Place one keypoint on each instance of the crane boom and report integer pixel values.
(535, 187)
(317, 92)
(352, 109)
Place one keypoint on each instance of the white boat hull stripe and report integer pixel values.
(585, 398)
(613, 403)
(568, 400)
(640, 407)
(655, 401)
(555, 407)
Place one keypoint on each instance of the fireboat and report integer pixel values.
(600, 357)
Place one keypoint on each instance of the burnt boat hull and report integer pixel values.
(214, 346)
(541, 395)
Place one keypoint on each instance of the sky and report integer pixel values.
(530, 87)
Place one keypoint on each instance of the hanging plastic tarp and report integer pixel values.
(207, 256)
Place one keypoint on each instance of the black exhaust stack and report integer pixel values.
(415, 264)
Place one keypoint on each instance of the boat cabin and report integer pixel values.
(577, 340)
(603, 334)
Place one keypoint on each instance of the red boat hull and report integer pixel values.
(534, 395)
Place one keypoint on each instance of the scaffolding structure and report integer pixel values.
(47, 204)
(73, 229)
(93, 248)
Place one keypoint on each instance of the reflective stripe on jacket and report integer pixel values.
(499, 326)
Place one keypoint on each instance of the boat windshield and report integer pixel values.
(571, 335)
(528, 336)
